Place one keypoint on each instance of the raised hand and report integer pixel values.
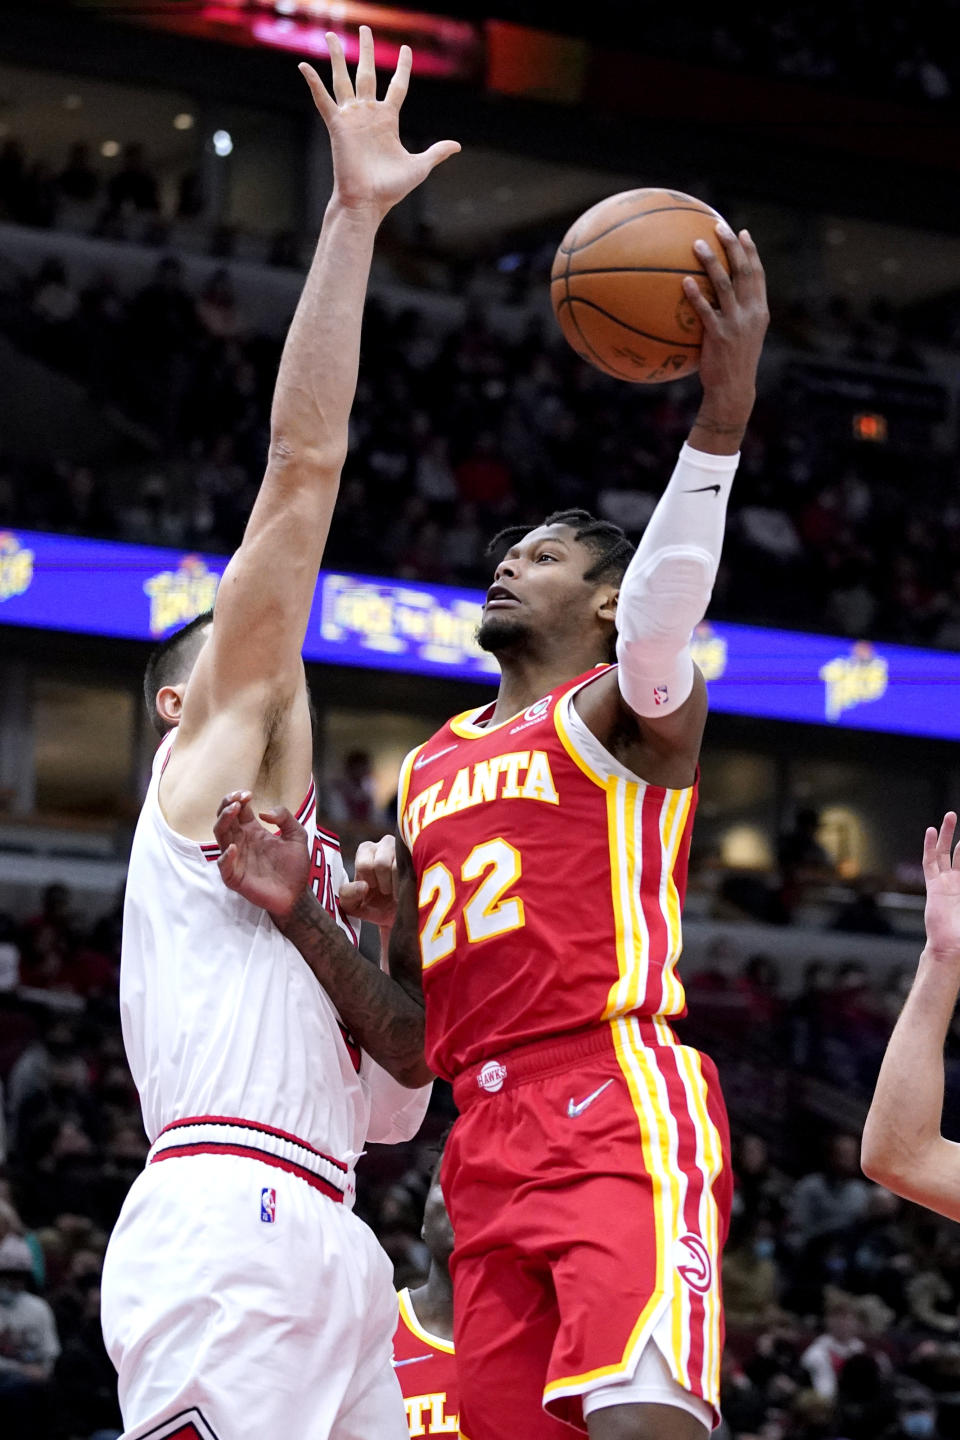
(734, 329)
(372, 893)
(269, 868)
(941, 917)
(372, 170)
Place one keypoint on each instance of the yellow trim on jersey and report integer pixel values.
(654, 1142)
(408, 1315)
(673, 997)
(568, 742)
(465, 726)
(403, 784)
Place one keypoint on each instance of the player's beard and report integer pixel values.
(501, 634)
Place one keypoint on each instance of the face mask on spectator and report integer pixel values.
(918, 1423)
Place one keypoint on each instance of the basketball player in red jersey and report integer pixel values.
(542, 865)
(423, 1354)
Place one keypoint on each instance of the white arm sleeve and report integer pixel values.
(668, 583)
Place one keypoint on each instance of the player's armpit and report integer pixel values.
(384, 1019)
(663, 752)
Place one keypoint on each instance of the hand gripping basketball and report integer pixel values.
(734, 328)
(372, 170)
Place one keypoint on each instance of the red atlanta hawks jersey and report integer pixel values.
(550, 881)
(427, 1372)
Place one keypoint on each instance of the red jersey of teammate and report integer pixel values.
(427, 1372)
(550, 879)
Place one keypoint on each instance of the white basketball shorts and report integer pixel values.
(237, 1300)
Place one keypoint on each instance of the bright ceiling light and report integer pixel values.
(110, 149)
(222, 143)
(183, 121)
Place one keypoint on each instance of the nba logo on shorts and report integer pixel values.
(660, 695)
(268, 1206)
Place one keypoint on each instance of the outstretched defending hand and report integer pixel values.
(372, 170)
(941, 917)
(269, 868)
(372, 893)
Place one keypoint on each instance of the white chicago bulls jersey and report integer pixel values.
(221, 1016)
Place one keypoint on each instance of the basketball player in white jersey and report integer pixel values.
(241, 1297)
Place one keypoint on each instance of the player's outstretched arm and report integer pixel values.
(903, 1148)
(668, 584)
(272, 870)
(250, 672)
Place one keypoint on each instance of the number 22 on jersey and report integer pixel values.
(488, 912)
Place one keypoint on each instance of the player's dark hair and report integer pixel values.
(167, 664)
(605, 541)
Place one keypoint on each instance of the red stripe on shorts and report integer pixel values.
(249, 1152)
(251, 1125)
(692, 1167)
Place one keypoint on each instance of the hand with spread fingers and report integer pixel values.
(270, 868)
(941, 917)
(372, 893)
(734, 328)
(372, 169)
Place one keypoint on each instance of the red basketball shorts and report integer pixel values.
(588, 1181)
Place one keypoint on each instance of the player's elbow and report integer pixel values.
(291, 460)
(412, 1074)
(886, 1159)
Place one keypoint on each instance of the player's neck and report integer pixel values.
(526, 678)
(433, 1302)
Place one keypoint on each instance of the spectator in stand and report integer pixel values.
(217, 307)
(862, 915)
(78, 181)
(13, 175)
(828, 1202)
(28, 1345)
(802, 859)
(751, 1280)
(759, 1188)
(191, 200)
(9, 954)
(351, 800)
(825, 1356)
(482, 476)
(134, 187)
(39, 199)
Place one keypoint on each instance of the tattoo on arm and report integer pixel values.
(384, 1016)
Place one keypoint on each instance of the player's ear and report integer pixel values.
(607, 609)
(170, 704)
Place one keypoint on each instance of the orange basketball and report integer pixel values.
(617, 284)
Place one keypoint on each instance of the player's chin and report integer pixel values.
(502, 631)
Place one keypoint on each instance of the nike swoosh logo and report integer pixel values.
(429, 759)
(700, 489)
(577, 1107)
(411, 1361)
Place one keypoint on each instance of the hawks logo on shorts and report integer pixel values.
(188, 1425)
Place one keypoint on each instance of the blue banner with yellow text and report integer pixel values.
(59, 582)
